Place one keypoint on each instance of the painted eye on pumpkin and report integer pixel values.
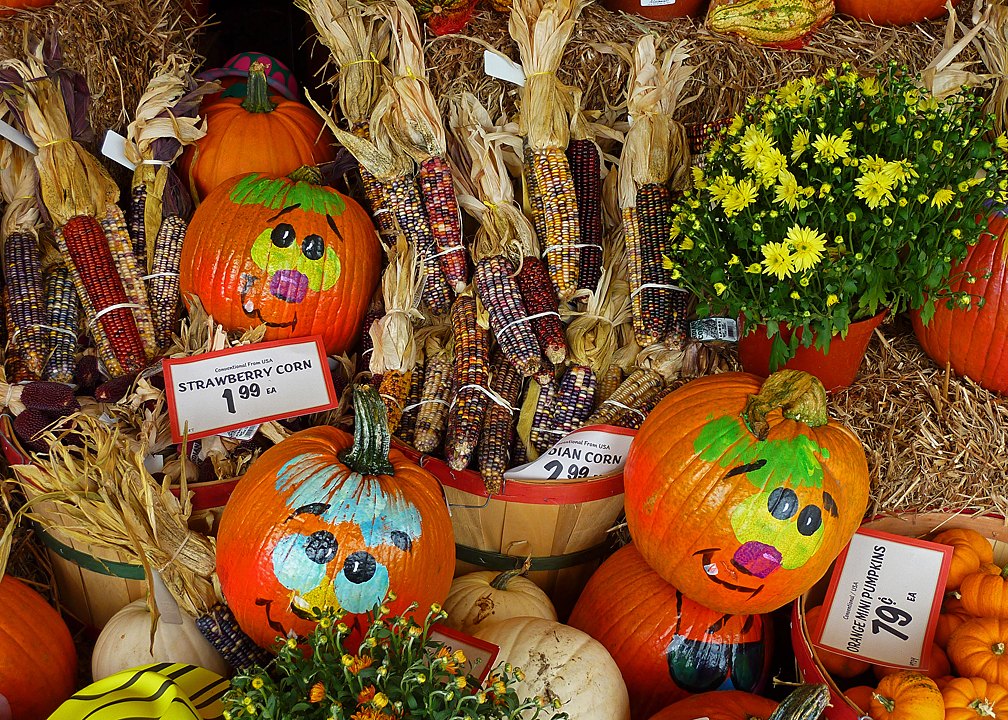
(809, 520)
(401, 540)
(283, 235)
(829, 505)
(783, 503)
(321, 547)
(360, 567)
(313, 247)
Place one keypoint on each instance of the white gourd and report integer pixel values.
(484, 597)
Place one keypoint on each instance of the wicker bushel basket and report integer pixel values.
(916, 525)
(562, 525)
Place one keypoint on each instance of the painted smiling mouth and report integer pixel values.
(289, 285)
(711, 571)
(250, 310)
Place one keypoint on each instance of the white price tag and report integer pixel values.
(248, 385)
(589, 452)
(656, 3)
(714, 328)
(503, 68)
(242, 434)
(114, 148)
(884, 600)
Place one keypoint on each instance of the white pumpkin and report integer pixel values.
(124, 643)
(484, 597)
(561, 662)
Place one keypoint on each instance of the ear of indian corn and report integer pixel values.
(26, 300)
(586, 170)
(608, 383)
(535, 200)
(393, 389)
(137, 228)
(129, 273)
(541, 437)
(560, 219)
(437, 189)
(381, 214)
(437, 393)
(573, 402)
(408, 423)
(63, 319)
(498, 292)
(632, 393)
(14, 365)
(653, 299)
(465, 417)
(409, 213)
(633, 418)
(537, 294)
(498, 428)
(89, 259)
(163, 286)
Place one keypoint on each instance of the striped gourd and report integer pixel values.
(163, 285)
(573, 402)
(439, 371)
(407, 424)
(499, 294)
(437, 190)
(537, 294)
(472, 360)
(632, 393)
(767, 21)
(555, 185)
(586, 169)
(63, 318)
(26, 301)
(114, 224)
(498, 429)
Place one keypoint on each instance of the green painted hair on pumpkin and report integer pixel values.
(278, 193)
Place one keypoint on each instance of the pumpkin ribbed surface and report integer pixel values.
(741, 524)
(561, 662)
(473, 602)
(901, 12)
(300, 258)
(974, 341)
(907, 696)
(974, 699)
(38, 660)
(726, 705)
(979, 648)
(667, 646)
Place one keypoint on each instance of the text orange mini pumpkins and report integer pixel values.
(740, 492)
(299, 257)
(324, 519)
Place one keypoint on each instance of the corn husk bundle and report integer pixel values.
(395, 348)
(358, 41)
(541, 30)
(94, 489)
(160, 206)
(79, 197)
(945, 76)
(994, 53)
(656, 152)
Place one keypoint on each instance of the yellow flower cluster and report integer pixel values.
(800, 251)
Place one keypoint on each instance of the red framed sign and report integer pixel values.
(480, 655)
(241, 386)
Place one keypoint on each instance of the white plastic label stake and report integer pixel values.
(589, 452)
(114, 148)
(235, 388)
(498, 66)
(154, 463)
(884, 600)
(714, 328)
(166, 605)
(242, 434)
(18, 138)
(656, 3)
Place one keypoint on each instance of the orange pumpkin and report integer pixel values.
(969, 549)
(325, 518)
(666, 645)
(977, 649)
(947, 624)
(860, 695)
(939, 666)
(734, 500)
(302, 259)
(901, 12)
(972, 698)
(257, 133)
(835, 664)
(8, 7)
(985, 595)
(726, 705)
(990, 568)
(907, 695)
(38, 660)
(943, 681)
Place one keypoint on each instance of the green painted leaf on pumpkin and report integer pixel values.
(279, 193)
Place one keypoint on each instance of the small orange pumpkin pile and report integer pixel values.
(971, 641)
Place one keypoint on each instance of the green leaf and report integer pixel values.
(780, 353)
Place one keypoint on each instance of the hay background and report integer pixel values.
(731, 70)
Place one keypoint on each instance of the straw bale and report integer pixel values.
(731, 71)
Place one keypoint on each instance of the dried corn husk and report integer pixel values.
(394, 345)
(593, 335)
(994, 53)
(943, 77)
(18, 182)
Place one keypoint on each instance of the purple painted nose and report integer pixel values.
(289, 285)
(757, 558)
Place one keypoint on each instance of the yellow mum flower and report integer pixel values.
(698, 178)
(719, 288)
(795, 295)
(741, 196)
(808, 246)
(901, 119)
(799, 144)
(957, 233)
(686, 244)
(831, 300)
(902, 202)
(922, 198)
(754, 269)
(900, 170)
(870, 87)
(777, 260)
(937, 145)
(460, 683)
(1002, 142)
(830, 148)
(736, 124)
(851, 216)
(770, 164)
(804, 281)
(871, 163)
(755, 144)
(942, 198)
(257, 683)
(963, 186)
(875, 188)
(911, 97)
(788, 191)
(721, 185)
(380, 700)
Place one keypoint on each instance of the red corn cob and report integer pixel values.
(437, 189)
(537, 293)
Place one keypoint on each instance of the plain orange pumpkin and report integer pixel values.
(943, 681)
(836, 664)
(861, 696)
(969, 549)
(724, 705)
(984, 594)
(900, 12)
(979, 648)
(257, 133)
(38, 660)
(9, 7)
(974, 699)
(939, 666)
(907, 695)
(325, 519)
(734, 500)
(947, 624)
(300, 258)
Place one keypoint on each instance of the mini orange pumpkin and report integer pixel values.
(977, 649)
(985, 595)
(907, 695)
(836, 664)
(302, 259)
(939, 666)
(723, 705)
(972, 698)
(947, 624)
(969, 549)
(740, 492)
(324, 518)
(860, 695)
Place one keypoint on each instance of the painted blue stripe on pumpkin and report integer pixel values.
(361, 597)
(292, 567)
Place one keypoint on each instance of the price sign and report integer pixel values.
(480, 655)
(884, 599)
(232, 389)
(588, 452)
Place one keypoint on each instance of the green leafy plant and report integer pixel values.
(397, 671)
(834, 198)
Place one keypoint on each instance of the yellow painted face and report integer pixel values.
(295, 265)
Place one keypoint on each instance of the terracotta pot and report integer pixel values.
(658, 9)
(836, 370)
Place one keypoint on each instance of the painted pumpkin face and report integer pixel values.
(301, 259)
(303, 530)
(740, 523)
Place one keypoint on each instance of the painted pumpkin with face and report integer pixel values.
(301, 258)
(740, 492)
(324, 519)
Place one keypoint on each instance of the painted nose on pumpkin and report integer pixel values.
(289, 285)
(360, 567)
(758, 558)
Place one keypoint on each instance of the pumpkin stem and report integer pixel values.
(983, 708)
(801, 397)
(257, 99)
(501, 581)
(1004, 573)
(306, 173)
(372, 439)
(888, 704)
(998, 648)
